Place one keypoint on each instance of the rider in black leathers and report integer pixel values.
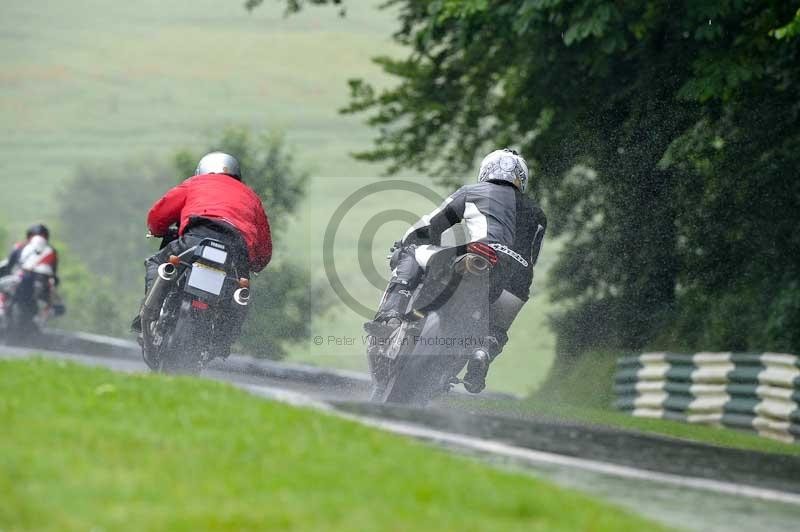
(496, 212)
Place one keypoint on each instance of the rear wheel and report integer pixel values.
(18, 324)
(182, 349)
(416, 379)
(422, 369)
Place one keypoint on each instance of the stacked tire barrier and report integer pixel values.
(757, 392)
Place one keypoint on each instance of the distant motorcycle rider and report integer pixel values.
(30, 273)
(496, 212)
(11, 263)
(214, 203)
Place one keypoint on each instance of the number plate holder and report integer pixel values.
(206, 279)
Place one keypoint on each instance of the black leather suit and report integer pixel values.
(495, 213)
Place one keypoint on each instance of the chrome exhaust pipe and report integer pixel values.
(242, 296)
(167, 274)
(473, 265)
(477, 265)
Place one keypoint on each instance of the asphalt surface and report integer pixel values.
(680, 483)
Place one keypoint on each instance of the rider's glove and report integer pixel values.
(396, 252)
(59, 309)
(394, 257)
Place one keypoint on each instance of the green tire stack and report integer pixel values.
(757, 392)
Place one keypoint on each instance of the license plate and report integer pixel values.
(215, 255)
(206, 278)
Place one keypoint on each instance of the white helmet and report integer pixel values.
(37, 256)
(217, 162)
(505, 165)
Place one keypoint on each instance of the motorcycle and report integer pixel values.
(27, 301)
(196, 299)
(446, 321)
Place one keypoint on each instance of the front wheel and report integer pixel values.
(395, 375)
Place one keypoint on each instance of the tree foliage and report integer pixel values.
(293, 6)
(663, 137)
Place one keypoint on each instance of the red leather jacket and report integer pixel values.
(221, 197)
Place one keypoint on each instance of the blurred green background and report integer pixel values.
(119, 84)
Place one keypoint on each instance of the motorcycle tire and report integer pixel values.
(182, 352)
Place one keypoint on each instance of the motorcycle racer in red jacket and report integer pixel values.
(214, 203)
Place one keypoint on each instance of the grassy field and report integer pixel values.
(89, 449)
(116, 82)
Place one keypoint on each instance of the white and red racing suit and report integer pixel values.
(30, 273)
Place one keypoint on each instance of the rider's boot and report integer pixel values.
(477, 369)
(136, 323)
(478, 365)
(136, 328)
(390, 313)
(151, 270)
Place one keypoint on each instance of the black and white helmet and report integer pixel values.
(505, 165)
(217, 162)
(38, 229)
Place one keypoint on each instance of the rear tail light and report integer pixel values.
(201, 305)
(479, 248)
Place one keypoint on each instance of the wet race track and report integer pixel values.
(682, 484)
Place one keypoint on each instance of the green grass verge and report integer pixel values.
(88, 449)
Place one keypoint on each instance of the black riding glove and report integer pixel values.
(396, 253)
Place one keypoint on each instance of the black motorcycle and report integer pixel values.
(27, 301)
(197, 299)
(444, 324)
